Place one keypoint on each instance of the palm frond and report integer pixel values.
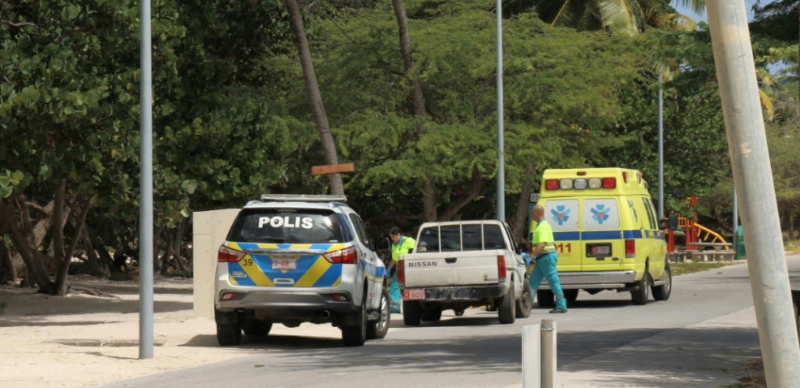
(622, 15)
(698, 6)
(563, 16)
(766, 104)
(677, 22)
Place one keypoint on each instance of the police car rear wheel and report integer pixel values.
(356, 336)
(379, 328)
(229, 335)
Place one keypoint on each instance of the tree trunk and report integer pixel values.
(429, 204)
(97, 263)
(791, 225)
(314, 96)
(35, 234)
(408, 60)
(36, 270)
(176, 247)
(62, 285)
(429, 201)
(7, 273)
(466, 198)
(105, 257)
(58, 222)
(518, 227)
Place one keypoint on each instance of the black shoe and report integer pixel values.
(558, 311)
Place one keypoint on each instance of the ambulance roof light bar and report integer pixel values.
(303, 198)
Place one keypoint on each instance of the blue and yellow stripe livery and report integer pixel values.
(313, 270)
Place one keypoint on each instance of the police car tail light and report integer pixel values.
(401, 273)
(228, 296)
(342, 256)
(228, 255)
(501, 268)
(630, 248)
(609, 183)
(551, 184)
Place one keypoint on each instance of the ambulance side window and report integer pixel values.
(650, 213)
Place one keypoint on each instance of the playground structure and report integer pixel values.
(700, 242)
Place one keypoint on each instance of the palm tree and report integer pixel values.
(314, 96)
(618, 16)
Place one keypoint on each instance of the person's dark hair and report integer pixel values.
(395, 230)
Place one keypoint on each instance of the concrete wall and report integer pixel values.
(210, 230)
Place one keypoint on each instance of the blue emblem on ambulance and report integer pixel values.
(560, 214)
(600, 213)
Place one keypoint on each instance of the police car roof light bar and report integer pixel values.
(303, 198)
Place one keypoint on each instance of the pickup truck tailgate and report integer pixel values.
(451, 269)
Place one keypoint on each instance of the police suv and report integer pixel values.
(291, 259)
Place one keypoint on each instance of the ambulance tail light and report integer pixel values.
(342, 256)
(501, 268)
(609, 183)
(401, 273)
(625, 177)
(228, 255)
(630, 249)
(551, 184)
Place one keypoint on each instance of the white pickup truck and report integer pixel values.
(461, 264)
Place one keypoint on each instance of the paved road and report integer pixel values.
(701, 337)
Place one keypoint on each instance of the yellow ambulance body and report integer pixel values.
(606, 234)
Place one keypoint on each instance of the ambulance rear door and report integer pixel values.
(563, 216)
(601, 234)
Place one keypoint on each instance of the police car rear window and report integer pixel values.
(289, 226)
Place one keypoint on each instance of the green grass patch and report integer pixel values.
(684, 268)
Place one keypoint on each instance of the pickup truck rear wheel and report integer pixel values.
(379, 328)
(545, 298)
(663, 292)
(642, 293)
(525, 302)
(507, 310)
(431, 315)
(356, 336)
(411, 313)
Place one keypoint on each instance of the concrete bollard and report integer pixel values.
(531, 356)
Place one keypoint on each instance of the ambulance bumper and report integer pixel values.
(593, 280)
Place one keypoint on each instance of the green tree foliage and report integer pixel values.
(562, 93)
(70, 111)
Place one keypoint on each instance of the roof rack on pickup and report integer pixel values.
(303, 198)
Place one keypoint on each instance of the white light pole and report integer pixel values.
(660, 146)
(501, 170)
(146, 189)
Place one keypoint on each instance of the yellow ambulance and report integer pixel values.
(606, 234)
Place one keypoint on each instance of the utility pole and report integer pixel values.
(747, 142)
(501, 169)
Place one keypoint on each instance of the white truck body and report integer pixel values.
(461, 264)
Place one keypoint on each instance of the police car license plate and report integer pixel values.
(414, 294)
(284, 263)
